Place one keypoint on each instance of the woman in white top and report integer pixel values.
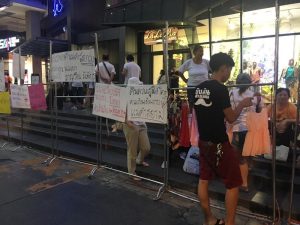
(198, 69)
(239, 127)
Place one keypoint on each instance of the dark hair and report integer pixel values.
(220, 59)
(196, 48)
(162, 72)
(243, 78)
(105, 57)
(130, 58)
(283, 89)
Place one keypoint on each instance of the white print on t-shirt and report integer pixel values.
(201, 95)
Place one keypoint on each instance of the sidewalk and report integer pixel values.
(61, 194)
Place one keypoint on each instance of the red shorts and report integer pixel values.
(228, 169)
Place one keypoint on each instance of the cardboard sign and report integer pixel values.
(2, 78)
(110, 101)
(37, 97)
(5, 103)
(147, 103)
(73, 66)
(19, 96)
(17, 71)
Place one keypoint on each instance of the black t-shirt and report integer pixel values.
(211, 98)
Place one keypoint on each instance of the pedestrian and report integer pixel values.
(136, 134)
(105, 70)
(217, 156)
(131, 69)
(197, 69)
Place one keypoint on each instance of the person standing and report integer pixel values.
(239, 127)
(197, 68)
(131, 69)
(138, 144)
(105, 70)
(217, 156)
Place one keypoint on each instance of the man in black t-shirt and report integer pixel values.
(217, 156)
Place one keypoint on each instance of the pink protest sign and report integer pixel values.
(37, 97)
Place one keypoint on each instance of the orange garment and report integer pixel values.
(257, 141)
(289, 112)
(194, 133)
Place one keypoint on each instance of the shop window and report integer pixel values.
(233, 49)
(203, 31)
(289, 18)
(226, 27)
(259, 22)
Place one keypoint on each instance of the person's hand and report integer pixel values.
(246, 102)
(281, 126)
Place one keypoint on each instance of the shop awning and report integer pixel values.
(41, 47)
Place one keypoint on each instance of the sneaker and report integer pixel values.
(182, 155)
(164, 164)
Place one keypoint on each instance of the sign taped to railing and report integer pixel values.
(73, 66)
(37, 97)
(19, 96)
(110, 101)
(147, 103)
(5, 103)
(2, 78)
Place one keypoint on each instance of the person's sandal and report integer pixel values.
(244, 189)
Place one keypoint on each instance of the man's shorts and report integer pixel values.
(228, 169)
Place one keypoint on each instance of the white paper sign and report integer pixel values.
(73, 66)
(147, 103)
(110, 101)
(19, 96)
(2, 78)
(16, 66)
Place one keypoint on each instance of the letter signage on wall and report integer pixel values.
(152, 37)
(8, 43)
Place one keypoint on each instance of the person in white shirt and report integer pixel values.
(198, 69)
(131, 69)
(105, 70)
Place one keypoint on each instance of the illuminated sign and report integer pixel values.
(155, 36)
(9, 42)
(57, 7)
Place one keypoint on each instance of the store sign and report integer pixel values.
(57, 7)
(155, 36)
(9, 42)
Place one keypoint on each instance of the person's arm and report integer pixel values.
(232, 114)
(178, 73)
(124, 71)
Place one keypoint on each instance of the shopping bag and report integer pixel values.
(282, 153)
(191, 163)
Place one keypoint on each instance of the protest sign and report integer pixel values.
(147, 103)
(110, 101)
(17, 71)
(5, 103)
(37, 97)
(73, 66)
(19, 96)
(2, 78)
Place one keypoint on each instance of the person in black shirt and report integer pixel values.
(217, 156)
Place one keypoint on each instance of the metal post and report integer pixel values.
(241, 36)
(164, 187)
(50, 159)
(98, 137)
(210, 31)
(274, 109)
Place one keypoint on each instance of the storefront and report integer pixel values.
(249, 37)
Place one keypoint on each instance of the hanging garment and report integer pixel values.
(194, 133)
(257, 140)
(184, 135)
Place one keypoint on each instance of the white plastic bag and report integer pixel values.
(282, 153)
(191, 163)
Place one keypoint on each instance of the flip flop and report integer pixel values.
(244, 189)
(145, 164)
(220, 222)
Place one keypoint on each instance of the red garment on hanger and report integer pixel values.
(184, 134)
